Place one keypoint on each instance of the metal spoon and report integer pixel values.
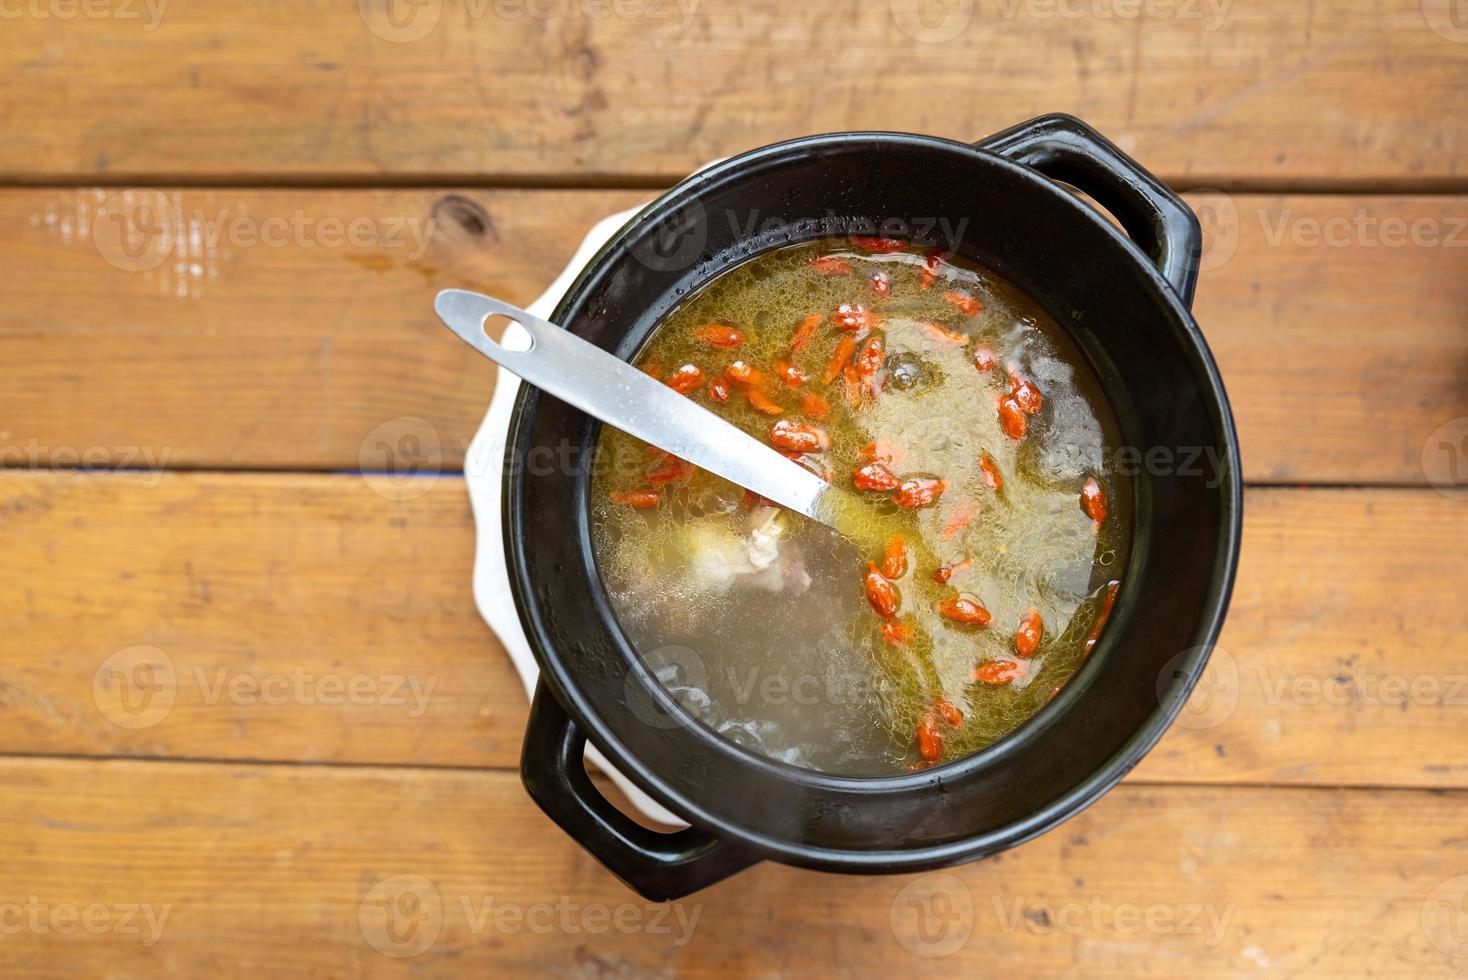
(608, 388)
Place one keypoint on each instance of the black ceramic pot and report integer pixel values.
(1126, 303)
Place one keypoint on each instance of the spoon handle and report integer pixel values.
(607, 388)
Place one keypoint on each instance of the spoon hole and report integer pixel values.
(508, 333)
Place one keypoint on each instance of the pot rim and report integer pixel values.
(1189, 667)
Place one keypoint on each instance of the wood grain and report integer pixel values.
(278, 871)
(1340, 662)
(269, 595)
(240, 711)
(263, 340)
(1202, 92)
(1341, 332)
(267, 598)
(1340, 326)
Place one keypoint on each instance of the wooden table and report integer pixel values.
(220, 391)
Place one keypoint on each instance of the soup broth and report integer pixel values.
(973, 438)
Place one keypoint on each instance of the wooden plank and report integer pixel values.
(265, 339)
(1340, 326)
(269, 594)
(299, 617)
(1342, 355)
(283, 872)
(1340, 662)
(1202, 92)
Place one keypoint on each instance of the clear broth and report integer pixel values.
(757, 620)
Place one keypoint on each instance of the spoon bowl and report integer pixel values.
(608, 388)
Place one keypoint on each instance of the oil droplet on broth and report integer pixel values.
(757, 618)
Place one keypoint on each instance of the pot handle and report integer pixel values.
(659, 866)
(1062, 147)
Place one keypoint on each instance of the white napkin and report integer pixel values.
(483, 476)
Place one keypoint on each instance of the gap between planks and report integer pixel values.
(379, 767)
(458, 474)
(1321, 186)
